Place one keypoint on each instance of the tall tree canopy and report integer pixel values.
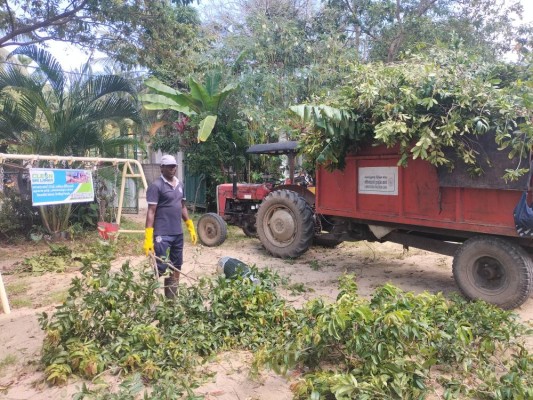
(141, 32)
(280, 53)
(382, 29)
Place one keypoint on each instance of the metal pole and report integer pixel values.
(3, 296)
(37, 157)
(122, 188)
(234, 171)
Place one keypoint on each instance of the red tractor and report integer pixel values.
(374, 199)
(237, 203)
(420, 206)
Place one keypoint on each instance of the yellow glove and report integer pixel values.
(148, 246)
(192, 231)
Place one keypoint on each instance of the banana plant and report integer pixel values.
(200, 100)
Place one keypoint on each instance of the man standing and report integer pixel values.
(164, 233)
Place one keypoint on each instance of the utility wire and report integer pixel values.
(139, 72)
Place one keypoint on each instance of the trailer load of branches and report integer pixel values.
(437, 107)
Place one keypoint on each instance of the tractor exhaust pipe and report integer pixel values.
(234, 174)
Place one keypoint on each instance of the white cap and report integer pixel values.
(168, 160)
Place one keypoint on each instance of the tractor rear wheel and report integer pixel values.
(285, 224)
(495, 270)
(212, 230)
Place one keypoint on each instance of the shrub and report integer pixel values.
(17, 216)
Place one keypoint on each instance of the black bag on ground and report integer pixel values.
(231, 268)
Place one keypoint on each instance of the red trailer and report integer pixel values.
(420, 206)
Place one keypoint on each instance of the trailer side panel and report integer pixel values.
(374, 188)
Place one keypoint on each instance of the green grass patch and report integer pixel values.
(57, 297)
(315, 265)
(17, 288)
(16, 292)
(130, 224)
(7, 361)
(297, 288)
(235, 234)
(20, 302)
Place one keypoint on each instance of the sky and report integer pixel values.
(72, 58)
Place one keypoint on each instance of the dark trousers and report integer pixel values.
(169, 248)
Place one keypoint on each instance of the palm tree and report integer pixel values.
(45, 112)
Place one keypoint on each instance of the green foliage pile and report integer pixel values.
(427, 106)
(393, 346)
(120, 321)
(61, 257)
(56, 260)
(384, 348)
(134, 386)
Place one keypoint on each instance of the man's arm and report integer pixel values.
(150, 215)
(184, 211)
(188, 222)
(149, 229)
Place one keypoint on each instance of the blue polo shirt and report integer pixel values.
(168, 199)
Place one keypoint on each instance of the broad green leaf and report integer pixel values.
(157, 85)
(156, 106)
(199, 96)
(182, 101)
(206, 127)
(219, 98)
(160, 102)
(299, 110)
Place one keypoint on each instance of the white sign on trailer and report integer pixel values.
(378, 180)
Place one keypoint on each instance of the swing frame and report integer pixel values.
(130, 169)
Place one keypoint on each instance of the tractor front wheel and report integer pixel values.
(285, 224)
(212, 230)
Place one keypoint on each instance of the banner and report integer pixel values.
(61, 186)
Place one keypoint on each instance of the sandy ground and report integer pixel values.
(318, 270)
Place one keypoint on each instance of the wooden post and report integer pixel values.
(3, 296)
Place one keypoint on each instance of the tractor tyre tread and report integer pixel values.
(212, 230)
(304, 223)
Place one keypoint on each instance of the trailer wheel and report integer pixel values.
(330, 243)
(285, 224)
(212, 229)
(325, 240)
(494, 270)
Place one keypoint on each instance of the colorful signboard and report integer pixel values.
(61, 186)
